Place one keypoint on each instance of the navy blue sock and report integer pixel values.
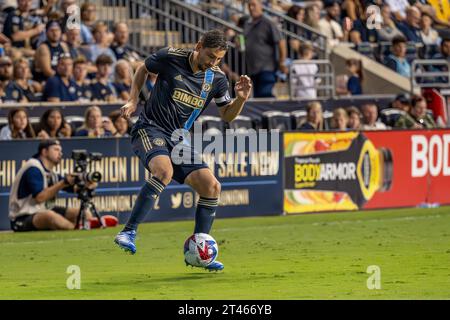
(205, 214)
(144, 202)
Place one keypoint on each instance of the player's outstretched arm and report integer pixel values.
(138, 81)
(243, 88)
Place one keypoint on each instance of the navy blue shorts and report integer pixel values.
(149, 141)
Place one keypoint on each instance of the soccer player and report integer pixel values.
(187, 81)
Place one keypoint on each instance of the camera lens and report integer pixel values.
(93, 176)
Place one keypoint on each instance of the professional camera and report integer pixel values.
(82, 160)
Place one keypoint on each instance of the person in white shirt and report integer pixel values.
(304, 74)
(429, 35)
(398, 8)
(370, 116)
(328, 25)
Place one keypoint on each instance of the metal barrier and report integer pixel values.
(155, 24)
(430, 74)
(292, 29)
(311, 79)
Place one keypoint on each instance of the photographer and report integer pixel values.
(34, 189)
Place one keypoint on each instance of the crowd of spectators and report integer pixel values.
(45, 57)
(394, 32)
(52, 124)
(405, 113)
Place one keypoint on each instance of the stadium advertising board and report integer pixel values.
(247, 178)
(367, 170)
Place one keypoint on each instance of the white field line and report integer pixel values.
(409, 218)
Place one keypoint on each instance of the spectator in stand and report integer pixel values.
(53, 125)
(397, 59)
(8, 91)
(80, 70)
(329, 26)
(354, 118)
(18, 126)
(312, 16)
(398, 8)
(314, 117)
(101, 87)
(23, 27)
(101, 45)
(354, 9)
(429, 35)
(370, 118)
(121, 124)
(339, 121)
(444, 50)
(304, 74)
(368, 33)
(120, 45)
(122, 79)
(30, 90)
(354, 84)
(388, 30)
(354, 37)
(296, 13)
(402, 102)
(47, 54)
(88, 18)
(443, 55)
(93, 124)
(65, 4)
(411, 26)
(61, 87)
(73, 38)
(263, 39)
(417, 118)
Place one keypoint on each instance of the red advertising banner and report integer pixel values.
(361, 170)
(421, 167)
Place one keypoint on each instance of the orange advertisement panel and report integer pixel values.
(352, 170)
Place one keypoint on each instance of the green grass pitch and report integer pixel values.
(315, 256)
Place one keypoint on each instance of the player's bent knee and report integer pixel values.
(165, 175)
(214, 188)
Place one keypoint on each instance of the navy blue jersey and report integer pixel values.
(84, 91)
(102, 91)
(13, 92)
(121, 87)
(56, 88)
(180, 95)
(16, 22)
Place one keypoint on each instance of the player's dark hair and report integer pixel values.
(214, 39)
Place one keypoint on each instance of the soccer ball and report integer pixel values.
(200, 250)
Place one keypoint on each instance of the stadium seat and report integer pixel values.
(75, 121)
(211, 125)
(327, 115)
(276, 120)
(241, 124)
(34, 121)
(3, 122)
(298, 117)
(390, 116)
